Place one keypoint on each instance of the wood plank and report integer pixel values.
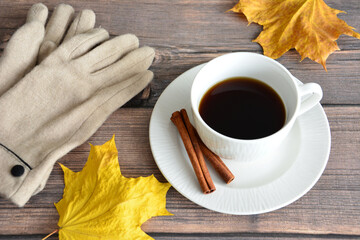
(331, 207)
(198, 31)
(185, 34)
(212, 236)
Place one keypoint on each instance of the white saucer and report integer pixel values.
(262, 186)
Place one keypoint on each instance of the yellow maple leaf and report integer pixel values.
(309, 26)
(99, 202)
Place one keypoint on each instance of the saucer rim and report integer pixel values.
(251, 212)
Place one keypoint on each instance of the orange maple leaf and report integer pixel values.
(309, 26)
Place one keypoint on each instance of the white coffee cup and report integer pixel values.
(297, 100)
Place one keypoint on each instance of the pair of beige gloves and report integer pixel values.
(57, 86)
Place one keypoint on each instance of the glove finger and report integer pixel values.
(37, 12)
(109, 52)
(98, 107)
(135, 62)
(55, 29)
(128, 89)
(114, 96)
(45, 49)
(83, 22)
(82, 43)
(123, 90)
(20, 54)
(58, 23)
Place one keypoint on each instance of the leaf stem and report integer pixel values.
(50, 234)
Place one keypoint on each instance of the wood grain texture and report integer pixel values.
(212, 236)
(187, 33)
(331, 208)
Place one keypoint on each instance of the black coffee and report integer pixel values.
(243, 108)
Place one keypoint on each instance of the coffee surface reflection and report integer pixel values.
(243, 108)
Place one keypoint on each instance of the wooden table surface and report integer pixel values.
(187, 33)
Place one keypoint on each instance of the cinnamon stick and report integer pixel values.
(216, 162)
(197, 149)
(179, 123)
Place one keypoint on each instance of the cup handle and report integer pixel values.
(310, 94)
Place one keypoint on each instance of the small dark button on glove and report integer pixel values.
(17, 170)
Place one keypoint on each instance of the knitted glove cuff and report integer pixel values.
(14, 171)
(19, 181)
